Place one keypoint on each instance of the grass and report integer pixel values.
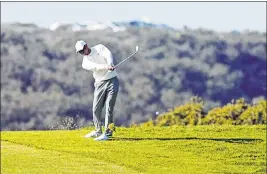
(176, 149)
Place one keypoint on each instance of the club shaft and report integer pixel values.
(126, 59)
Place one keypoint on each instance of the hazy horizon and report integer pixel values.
(219, 16)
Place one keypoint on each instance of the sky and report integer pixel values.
(219, 16)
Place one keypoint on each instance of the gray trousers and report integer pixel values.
(105, 94)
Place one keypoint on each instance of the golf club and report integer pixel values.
(136, 50)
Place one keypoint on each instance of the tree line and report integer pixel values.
(43, 85)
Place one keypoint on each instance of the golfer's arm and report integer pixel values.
(91, 66)
(107, 54)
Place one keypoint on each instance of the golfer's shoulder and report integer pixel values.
(100, 47)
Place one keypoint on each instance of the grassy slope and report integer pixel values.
(200, 149)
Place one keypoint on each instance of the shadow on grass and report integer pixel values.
(229, 140)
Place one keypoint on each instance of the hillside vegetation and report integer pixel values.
(43, 85)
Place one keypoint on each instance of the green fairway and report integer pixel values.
(176, 149)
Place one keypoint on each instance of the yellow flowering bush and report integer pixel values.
(238, 112)
(190, 113)
(228, 114)
(255, 114)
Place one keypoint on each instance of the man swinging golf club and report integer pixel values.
(99, 60)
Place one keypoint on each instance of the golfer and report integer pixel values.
(99, 60)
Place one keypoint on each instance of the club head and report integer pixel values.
(136, 48)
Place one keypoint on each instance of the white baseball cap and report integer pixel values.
(79, 45)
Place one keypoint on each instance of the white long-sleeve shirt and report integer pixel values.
(98, 61)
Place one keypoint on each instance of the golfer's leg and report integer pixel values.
(98, 103)
(112, 91)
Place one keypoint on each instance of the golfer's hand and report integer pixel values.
(111, 68)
